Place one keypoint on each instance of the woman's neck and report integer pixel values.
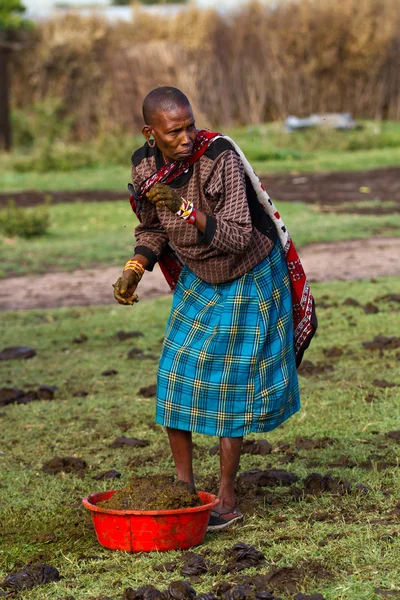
(165, 159)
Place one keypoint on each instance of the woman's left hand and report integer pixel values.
(162, 195)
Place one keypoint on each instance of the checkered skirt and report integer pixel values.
(228, 365)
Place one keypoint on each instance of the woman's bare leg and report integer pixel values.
(229, 456)
(182, 451)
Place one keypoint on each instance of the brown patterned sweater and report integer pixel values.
(238, 233)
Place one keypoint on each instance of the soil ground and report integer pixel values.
(320, 495)
(337, 261)
(325, 188)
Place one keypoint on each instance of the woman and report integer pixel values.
(228, 364)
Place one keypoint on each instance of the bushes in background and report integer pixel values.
(260, 63)
(24, 222)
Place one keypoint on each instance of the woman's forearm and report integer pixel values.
(142, 259)
(201, 221)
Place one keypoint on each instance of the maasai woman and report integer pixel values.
(228, 364)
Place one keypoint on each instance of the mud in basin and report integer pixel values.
(179, 527)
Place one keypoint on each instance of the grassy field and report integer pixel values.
(84, 235)
(354, 537)
(104, 164)
(351, 540)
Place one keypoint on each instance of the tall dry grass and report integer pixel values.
(260, 63)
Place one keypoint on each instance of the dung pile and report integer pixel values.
(241, 556)
(156, 492)
(30, 576)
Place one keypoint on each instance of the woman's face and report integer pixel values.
(174, 132)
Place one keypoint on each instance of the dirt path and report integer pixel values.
(359, 259)
(322, 188)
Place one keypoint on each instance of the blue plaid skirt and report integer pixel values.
(228, 365)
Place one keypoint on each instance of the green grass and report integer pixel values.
(81, 235)
(288, 532)
(99, 178)
(271, 150)
(84, 235)
(333, 161)
(105, 163)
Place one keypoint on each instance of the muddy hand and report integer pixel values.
(125, 287)
(163, 195)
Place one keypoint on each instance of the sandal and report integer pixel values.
(220, 521)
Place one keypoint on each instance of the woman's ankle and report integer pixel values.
(227, 502)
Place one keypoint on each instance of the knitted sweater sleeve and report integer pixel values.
(151, 237)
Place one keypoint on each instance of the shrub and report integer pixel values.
(41, 123)
(56, 157)
(24, 222)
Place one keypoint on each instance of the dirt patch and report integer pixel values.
(350, 302)
(252, 589)
(30, 576)
(381, 342)
(343, 461)
(260, 447)
(54, 290)
(255, 587)
(34, 197)
(309, 369)
(380, 465)
(269, 477)
(336, 261)
(315, 188)
(109, 372)
(155, 492)
(122, 441)
(289, 579)
(302, 443)
(316, 484)
(389, 298)
(333, 352)
(141, 460)
(382, 383)
(177, 590)
(241, 556)
(110, 474)
(65, 464)
(128, 335)
(370, 309)
(336, 187)
(138, 354)
(148, 391)
(15, 396)
(351, 260)
(17, 353)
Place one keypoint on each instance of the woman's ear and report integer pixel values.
(147, 132)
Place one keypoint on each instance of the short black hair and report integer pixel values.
(163, 98)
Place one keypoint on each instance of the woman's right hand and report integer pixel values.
(125, 286)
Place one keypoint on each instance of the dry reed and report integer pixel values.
(260, 63)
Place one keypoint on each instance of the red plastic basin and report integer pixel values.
(145, 531)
